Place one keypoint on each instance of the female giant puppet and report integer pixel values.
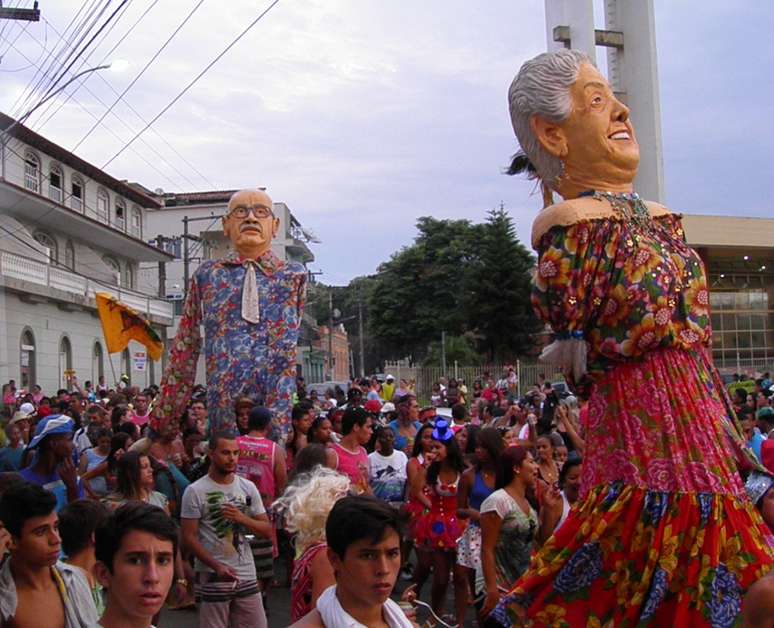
(664, 535)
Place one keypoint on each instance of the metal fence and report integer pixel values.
(425, 376)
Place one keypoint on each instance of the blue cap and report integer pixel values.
(52, 425)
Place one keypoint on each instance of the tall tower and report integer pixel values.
(629, 38)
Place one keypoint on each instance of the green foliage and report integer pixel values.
(458, 348)
(457, 277)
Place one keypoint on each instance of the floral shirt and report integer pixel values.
(627, 289)
(256, 360)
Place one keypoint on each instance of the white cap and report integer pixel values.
(389, 377)
(27, 408)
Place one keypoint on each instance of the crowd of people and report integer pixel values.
(106, 519)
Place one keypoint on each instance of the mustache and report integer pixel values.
(251, 226)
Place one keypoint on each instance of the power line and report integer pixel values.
(104, 58)
(137, 78)
(131, 107)
(120, 139)
(11, 44)
(64, 71)
(32, 86)
(192, 83)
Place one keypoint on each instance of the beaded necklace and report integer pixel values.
(629, 207)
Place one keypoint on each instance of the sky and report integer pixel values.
(363, 115)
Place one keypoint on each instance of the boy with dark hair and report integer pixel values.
(78, 522)
(218, 511)
(363, 535)
(33, 584)
(135, 549)
(351, 456)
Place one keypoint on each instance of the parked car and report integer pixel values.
(321, 387)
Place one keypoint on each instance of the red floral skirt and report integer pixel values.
(664, 535)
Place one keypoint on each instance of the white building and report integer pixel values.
(67, 231)
(204, 211)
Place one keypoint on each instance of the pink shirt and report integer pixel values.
(256, 463)
(140, 420)
(354, 465)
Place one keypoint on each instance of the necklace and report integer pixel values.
(629, 207)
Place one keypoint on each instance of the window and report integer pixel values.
(136, 226)
(69, 258)
(55, 184)
(120, 220)
(115, 267)
(127, 278)
(65, 362)
(103, 205)
(76, 194)
(49, 242)
(97, 363)
(32, 172)
(27, 359)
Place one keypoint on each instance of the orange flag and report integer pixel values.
(120, 324)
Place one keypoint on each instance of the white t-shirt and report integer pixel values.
(226, 542)
(388, 475)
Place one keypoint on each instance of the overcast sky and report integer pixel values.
(363, 115)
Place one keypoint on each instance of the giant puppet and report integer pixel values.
(663, 534)
(250, 305)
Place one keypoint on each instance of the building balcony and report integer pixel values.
(39, 280)
(28, 205)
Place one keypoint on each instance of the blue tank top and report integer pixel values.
(479, 493)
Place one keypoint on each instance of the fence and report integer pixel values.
(425, 376)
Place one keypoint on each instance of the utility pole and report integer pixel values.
(360, 334)
(330, 334)
(443, 354)
(185, 256)
(28, 15)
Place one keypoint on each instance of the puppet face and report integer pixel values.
(250, 223)
(596, 143)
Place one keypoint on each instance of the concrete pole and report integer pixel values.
(579, 16)
(633, 73)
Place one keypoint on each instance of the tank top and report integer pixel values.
(256, 463)
(353, 465)
(301, 582)
(479, 492)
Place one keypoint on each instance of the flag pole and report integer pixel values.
(112, 369)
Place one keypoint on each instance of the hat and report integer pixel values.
(25, 412)
(767, 414)
(388, 406)
(445, 413)
(441, 431)
(52, 425)
(757, 485)
(374, 406)
(389, 378)
(28, 409)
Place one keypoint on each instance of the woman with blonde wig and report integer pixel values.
(305, 506)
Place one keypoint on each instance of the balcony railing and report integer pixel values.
(26, 269)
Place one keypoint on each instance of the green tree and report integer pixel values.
(458, 348)
(499, 290)
(417, 293)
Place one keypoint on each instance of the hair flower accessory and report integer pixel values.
(441, 432)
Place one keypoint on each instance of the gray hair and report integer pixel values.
(542, 88)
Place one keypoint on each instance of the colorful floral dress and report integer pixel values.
(243, 359)
(663, 534)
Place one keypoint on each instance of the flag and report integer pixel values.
(120, 324)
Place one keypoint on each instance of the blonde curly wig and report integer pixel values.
(307, 501)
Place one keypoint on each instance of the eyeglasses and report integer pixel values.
(259, 211)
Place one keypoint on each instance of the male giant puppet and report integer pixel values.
(250, 305)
